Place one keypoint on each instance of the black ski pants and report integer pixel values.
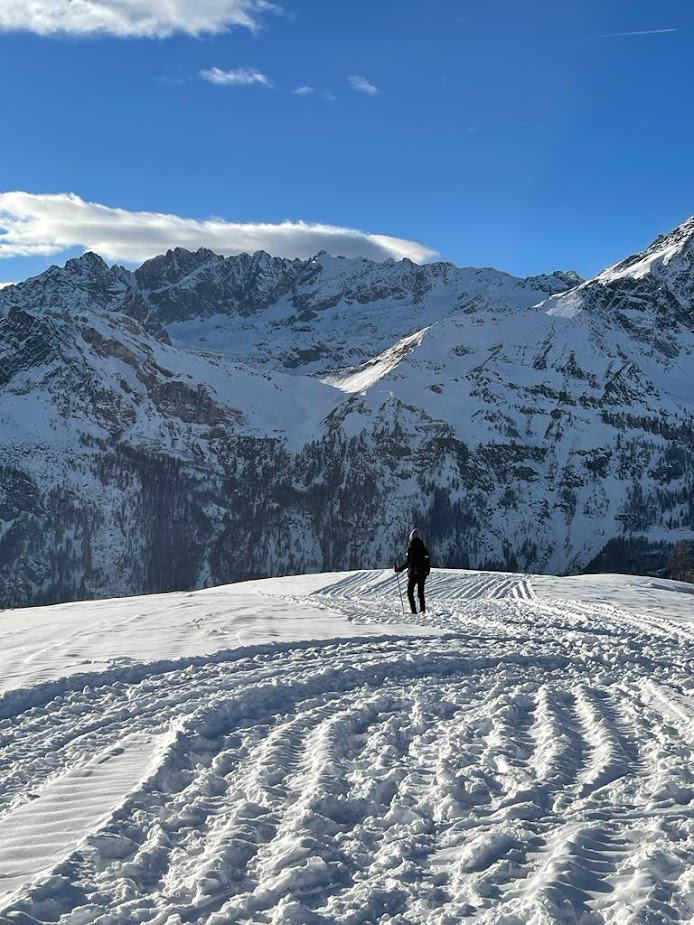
(415, 581)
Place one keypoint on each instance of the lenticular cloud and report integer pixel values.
(131, 18)
(32, 224)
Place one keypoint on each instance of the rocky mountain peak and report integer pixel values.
(172, 267)
(553, 282)
(669, 254)
(85, 281)
(88, 264)
(649, 294)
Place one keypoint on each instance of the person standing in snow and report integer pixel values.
(418, 567)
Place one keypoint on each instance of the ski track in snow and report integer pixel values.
(530, 763)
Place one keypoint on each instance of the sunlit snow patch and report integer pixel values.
(564, 306)
(655, 256)
(361, 378)
(43, 831)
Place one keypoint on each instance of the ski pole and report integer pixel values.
(402, 602)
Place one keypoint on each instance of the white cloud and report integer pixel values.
(240, 77)
(5, 284)
(33, 224)
(303, 91)
(136, 18)
(362, 85)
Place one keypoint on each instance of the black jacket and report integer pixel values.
(417, 564)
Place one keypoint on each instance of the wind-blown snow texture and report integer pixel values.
(202, 420)
(290, 751)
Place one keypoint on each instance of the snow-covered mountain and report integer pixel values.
(204, 419)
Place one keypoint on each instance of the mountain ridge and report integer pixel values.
(158, 420)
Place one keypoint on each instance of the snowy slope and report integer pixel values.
(93, 410)
(68, 361)
(339, 311)
(553, 397)
(299, 751)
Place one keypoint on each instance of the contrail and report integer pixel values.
(614, 35)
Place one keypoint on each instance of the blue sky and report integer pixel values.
(526, 136)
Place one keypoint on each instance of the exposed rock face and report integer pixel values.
(203, 419)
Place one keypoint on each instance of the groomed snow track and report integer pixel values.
(530, 763)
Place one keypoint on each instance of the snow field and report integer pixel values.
(511, 757)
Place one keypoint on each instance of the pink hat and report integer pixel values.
(415, 535)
